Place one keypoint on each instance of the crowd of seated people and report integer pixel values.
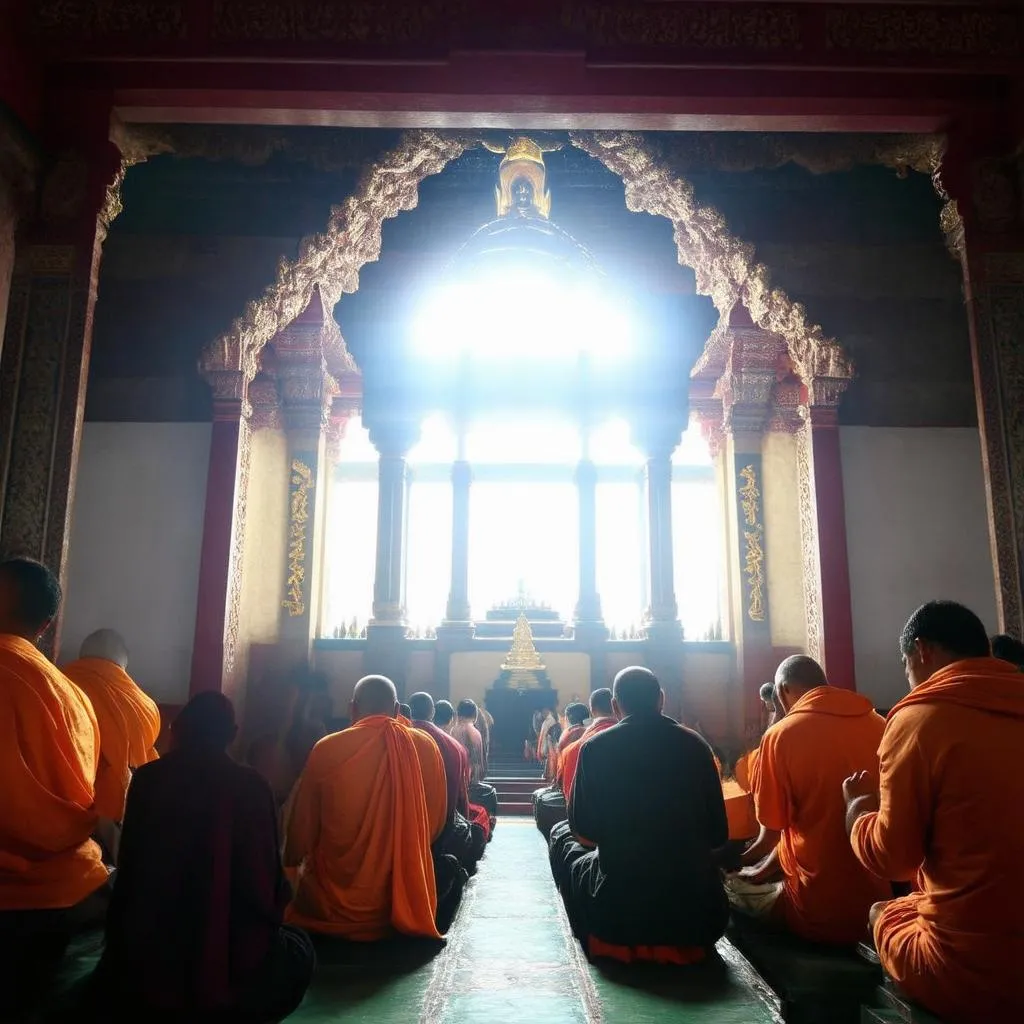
(205, 903)
(904, 832)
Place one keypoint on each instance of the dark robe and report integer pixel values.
(462, 838)
(648, 796)
(194, 925)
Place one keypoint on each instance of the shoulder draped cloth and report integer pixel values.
(48, 760)
(370, 802)
(129, 724)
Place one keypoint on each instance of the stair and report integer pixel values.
(515, 781)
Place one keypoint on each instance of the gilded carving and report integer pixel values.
(685, 26)
(999, 317)
(233, 668)
(724, 265)
(72, 19)
(935, 30)
(298, 524)
(752, 527)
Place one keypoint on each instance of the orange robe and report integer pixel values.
(369, 804)
(129, 726)
(798, 790)
(950, 817)
(48, 759)
(570, 757)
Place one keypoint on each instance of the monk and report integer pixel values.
(549, 805)
(129, 720)
(52, 878)
(369, 805)
(602, 716)
(818, 890)
(1006, 648)
(465, 731)
(195, 924)
(652, 881)
(946, 813)
(462, 838)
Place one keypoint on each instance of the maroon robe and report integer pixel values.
(199, 894)
(456, 768)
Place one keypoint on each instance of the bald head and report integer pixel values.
(636, 691)
(374, 695)
(795, 677)
(107, 645)
(422, 706)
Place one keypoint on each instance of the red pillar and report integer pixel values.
(213, 646)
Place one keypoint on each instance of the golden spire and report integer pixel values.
(523, 656)
(522, 175)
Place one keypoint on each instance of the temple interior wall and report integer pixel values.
(917, 529)
(136, 536)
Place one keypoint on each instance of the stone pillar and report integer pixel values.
(984, 224)
(588, 606)
(457, 613)
(220, 561)
(44, 364)
(823, 534)
(385, 633)
(662, 630)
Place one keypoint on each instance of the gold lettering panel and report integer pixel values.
(298, 525)
(752, 554)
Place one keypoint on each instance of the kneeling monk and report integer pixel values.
(369, 804)
(823, 894)
(52, 878)
(647, 795)
(948, 814)
(129, 720)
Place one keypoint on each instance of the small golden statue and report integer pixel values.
(522, 175)
(523, 661)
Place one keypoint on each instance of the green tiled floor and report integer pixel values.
(510, 958)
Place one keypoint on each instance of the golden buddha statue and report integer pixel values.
(521, 189)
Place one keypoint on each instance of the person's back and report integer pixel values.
(369, 804)
(129, 720)
(948, 818)
(195, 919)
(647, 794)
(466, 732)
(826, 735)
(48, 758)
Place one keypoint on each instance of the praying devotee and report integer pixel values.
(1006, 648)
(370, 803)
(547, 743)
(466, 732)
(652, 880)
(129, 720)
(195, 927)
(743, 769)
(946, 814)
(550, 804)
(444, 716)
(462, 838)
(602, 716)
(815, 886)
(405, 711)
(52, 877)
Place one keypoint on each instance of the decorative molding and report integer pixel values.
(102, 19)
(233, 666)
(751, 525)
(724, 265)
(302, 483)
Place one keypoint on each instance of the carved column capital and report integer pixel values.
(265, 400)
(307, 391)
(230, 394)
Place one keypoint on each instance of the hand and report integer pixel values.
(755, 874)
(859, 785)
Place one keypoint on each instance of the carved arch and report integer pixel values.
(725, 267)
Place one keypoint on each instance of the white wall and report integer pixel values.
(917, 530)
(136, 537)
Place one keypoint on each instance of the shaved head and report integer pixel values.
(795, 677)
(768, 693)
(374, 695)
(601, 702)
(636, 690)
(422, 705)
(107, 645)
